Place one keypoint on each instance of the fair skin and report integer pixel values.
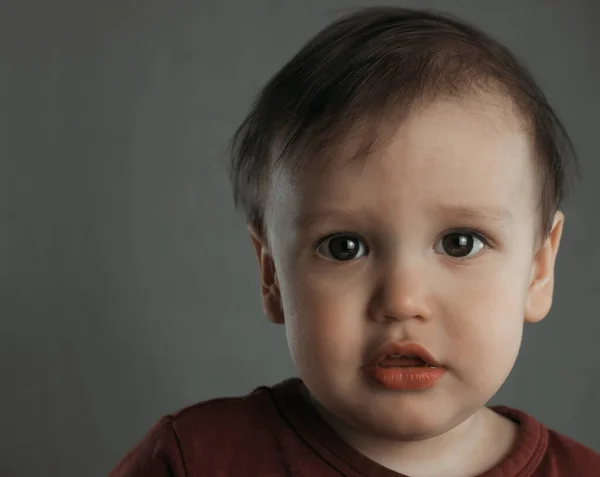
(453, 169)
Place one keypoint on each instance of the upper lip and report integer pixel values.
(403, 349)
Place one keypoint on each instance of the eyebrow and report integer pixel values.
(308, 219)
(494, 213)
(497, 214)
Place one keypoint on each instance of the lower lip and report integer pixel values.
(405, 378)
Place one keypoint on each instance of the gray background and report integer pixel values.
(128, 287)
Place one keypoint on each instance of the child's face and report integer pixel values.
(438, 233)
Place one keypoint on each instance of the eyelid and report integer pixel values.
(474, 231)
(478, 234)
(485, 239)
(351, 235)
(339, 234)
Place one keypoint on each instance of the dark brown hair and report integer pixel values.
(361, 75)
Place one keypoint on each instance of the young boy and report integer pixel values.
(401, 177)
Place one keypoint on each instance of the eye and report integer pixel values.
(342, 247)
(460, 244)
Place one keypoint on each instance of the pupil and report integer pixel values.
(458, 245)
(343, 248)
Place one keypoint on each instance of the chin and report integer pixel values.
(411, 424)
(410, 427)
(407, 416)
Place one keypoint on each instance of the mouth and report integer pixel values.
(409, 355)
(404, 361)
(404, 367)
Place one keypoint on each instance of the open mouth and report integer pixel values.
(403, 355)
(403, 361)
(404, 366)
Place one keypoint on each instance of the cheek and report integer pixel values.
(488, 325)
(323, 320)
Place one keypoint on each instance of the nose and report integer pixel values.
(402, 293)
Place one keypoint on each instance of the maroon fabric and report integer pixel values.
(276, 432)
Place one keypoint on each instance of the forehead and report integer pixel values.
(468, 152)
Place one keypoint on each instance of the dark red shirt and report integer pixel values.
(277, 432)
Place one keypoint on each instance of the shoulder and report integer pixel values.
(203, 437)
(544, 452)
(210, 419)
(569, 455)
(157, 455)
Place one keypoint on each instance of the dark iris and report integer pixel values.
(457, 244)
(344, 247)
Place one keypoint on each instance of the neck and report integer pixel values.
(472, 447)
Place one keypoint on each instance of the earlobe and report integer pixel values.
(541, 285)
(270, 293)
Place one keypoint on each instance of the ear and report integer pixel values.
(541, 285)
(270, 293)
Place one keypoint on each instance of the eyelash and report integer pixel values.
(475, 232)
(339, 234)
